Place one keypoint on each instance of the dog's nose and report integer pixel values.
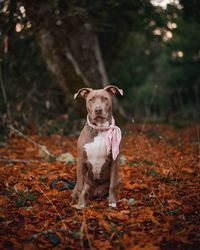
(98, 110)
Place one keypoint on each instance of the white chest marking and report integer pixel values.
(97, 153)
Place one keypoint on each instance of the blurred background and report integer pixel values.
(51, 48)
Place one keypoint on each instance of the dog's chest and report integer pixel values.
(97, 153)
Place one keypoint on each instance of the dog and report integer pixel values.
(98, 148)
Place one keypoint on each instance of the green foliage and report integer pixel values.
(150, 163)
(42, 179)
(151, 172)
(158, 82)
(74, 235)
(174, 211)
(161, 78)
(23, 197)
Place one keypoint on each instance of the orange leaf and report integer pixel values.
(121, 215)
(105, 225)
(23, 211)
(136, 186)
(172, 201)
(148, 246)
(144, 215)
(187, 170)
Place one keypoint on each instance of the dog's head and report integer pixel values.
(99, 102)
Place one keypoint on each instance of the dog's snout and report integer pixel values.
(98, 110)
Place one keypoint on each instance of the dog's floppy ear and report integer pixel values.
(82, 92)
(113, 90)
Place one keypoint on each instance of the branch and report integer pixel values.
(20, 161)
(77, 68)
(84, 228)
(41, 147)
(5, 51)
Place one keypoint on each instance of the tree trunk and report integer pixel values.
(69, 46)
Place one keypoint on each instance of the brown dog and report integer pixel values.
(98, 148)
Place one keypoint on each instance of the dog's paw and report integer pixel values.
(78, 206)
(112, 204)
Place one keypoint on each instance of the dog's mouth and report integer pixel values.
(99, 117)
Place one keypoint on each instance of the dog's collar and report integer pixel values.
(113, 136)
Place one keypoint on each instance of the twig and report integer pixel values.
(41, 147)
(20, 161)
(51, 203)
(5, 51)
(198, 139)
(59, 215)
(82, 232)
(189, 195)
(155, 196)
(22, 135)
(84, 228)
(177, 174)
(151, 102)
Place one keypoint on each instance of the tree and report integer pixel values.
(68, 43)
(72, 37)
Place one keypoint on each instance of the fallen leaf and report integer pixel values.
(121, 215)
(105, 225)
(143, 215)
(187, 170)
(172, 201)
(23, 211)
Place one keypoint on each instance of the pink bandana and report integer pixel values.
(113, 137)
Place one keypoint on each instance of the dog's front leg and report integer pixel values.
(114, 182)
(79, 178)
(83, 195)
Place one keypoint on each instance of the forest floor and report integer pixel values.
(158, 200)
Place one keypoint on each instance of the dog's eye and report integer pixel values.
(104, 99)
(90, 100)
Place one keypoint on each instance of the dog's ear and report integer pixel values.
(113, 90)
(82, 92)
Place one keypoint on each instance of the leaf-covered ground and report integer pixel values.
(158, 200)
